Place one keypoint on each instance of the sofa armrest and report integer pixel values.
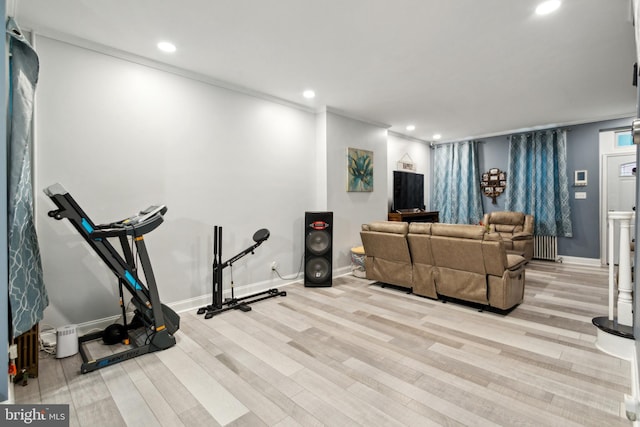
(523, 235)
(515, 262)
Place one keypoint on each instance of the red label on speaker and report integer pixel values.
(319, 225)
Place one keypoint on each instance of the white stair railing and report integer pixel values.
(624, 298)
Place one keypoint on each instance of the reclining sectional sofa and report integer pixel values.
(464, 262)
(515, 228)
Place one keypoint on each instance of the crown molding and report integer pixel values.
(160, 66)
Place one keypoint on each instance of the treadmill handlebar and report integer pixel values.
(142, 223)
(142, 216)
(55, 189)
(149, 212)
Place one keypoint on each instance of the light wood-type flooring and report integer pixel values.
(360, 354)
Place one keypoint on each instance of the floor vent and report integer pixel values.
(545, 248)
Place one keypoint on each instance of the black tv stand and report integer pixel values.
(413, 216)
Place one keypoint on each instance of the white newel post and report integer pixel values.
(625, 300)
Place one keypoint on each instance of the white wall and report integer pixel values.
(121, 136)
(321, 163)
(419, 151)
(352, 209)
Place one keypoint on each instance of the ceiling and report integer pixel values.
(460, 68)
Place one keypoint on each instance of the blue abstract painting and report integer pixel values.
(359, 170)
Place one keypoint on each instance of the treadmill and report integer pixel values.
(157, 322)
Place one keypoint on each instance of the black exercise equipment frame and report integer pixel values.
(160, 321)
(217, 305)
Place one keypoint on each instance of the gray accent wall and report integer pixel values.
(583, 148)
(582, 153)
(493, 153)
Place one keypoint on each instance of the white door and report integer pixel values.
(621, 190)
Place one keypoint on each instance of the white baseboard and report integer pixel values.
(98, 324)
(238, 292)
(203, 300)
(594, 262)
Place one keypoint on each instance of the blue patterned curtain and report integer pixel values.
(27, 294)
(538, 182)
(456, 192)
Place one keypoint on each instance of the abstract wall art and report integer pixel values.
(359, 170)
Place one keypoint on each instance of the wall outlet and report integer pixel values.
(274, 266)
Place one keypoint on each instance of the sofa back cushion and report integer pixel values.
(419, 238)
(458, 247)
(495, 255)
(394, 227)
(508, 223)
(420, 227)
(386, 240)
(463, 231)
(507, 218)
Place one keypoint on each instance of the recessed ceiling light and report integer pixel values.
(167, 47)
(437, 136)
(547, 7)
(309, 94)
(411, 127)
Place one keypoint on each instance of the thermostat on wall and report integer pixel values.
(580, 178)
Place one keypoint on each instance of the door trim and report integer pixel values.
(607, 149)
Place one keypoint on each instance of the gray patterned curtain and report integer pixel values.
(456, 192)
(538, 183)
(27, 294)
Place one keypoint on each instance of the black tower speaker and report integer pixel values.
(318, 249)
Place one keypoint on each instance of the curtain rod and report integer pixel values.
(539, 130)
(482, 141)
(442, 144)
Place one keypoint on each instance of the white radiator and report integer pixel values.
(545, 247)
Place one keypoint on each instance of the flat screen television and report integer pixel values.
(408, 190)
